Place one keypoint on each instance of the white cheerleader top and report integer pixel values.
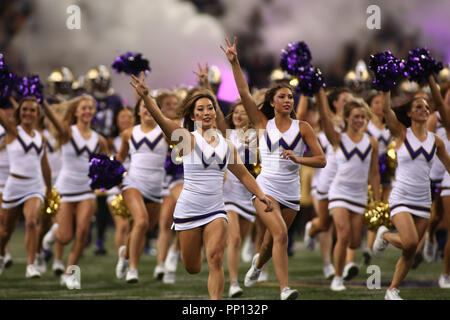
(147, 151)
(246, 150)
(383, 136)
(414, 160)
(25, 154)
(4, 161)
(271, 143)
(77, 151)
(353, 162)
(204, 166)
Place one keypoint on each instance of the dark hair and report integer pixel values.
(334, 96)
(21, 102)
(402, 110)
(267, 109)
(127, 108)
(137, 109)
(372, 94)
(188, 105)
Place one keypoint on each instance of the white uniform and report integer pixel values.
(446, 181)
(4, 161)
(54, 156)
(279, 177)
(117, 143)
(384, 137)
(349, 187)
(236, 196)
(437, 169)
(173, 169)
(201, 200)
(25, 154)
(73, 180)
(323, 141)
(146, 173)
(411, 188)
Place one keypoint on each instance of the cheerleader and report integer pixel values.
(78, 142)
(200, 216)
(279, 176)
(410, 198)
(142, 186)
(125, 119)
(29, 176)
(356, 156)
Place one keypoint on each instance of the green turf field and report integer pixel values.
(305, 272)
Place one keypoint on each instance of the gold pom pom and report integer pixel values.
(119, 208)
(391, 158)
(51, 203)
(377, 213)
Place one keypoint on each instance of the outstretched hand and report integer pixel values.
(202, 74)
(139, 85)
(230, 51)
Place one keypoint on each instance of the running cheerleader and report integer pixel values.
(356, 156)
(25, 188)
(281, 144)
(78, 142)
(410, 199)
(142, 186)
(200, 217)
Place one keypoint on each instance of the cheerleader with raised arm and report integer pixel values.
(356, 156)
(78, 142)
(282, 141)
(142, 186)
(410, 199)
(200, 218)
(29, 177)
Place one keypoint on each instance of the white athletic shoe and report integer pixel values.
(63, 279)
(288, 294)
(122, 263)
(171, 262)
(2, 264)
(328, 271)
(392, 294)
(351, 270)
(169, 277)
(49, 238)
(72, 282)
(248, 250)
(39, 263)
(429, 248)
(444, 281)
(158, 273)
(8, 260)
(310, 243)
(132, 276)
(235, 290)
(253, 273)
(32, 272)
(337, 284)
(58, 267)
(380, 244)
(263, 276)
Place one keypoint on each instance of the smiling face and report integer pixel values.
(85, 111)
(420, 110)
(283, 101)
(125, 119)
(240, 117)
(204, 112)
(29, 112)
(376, 105)
(145, 115)
(356, 119)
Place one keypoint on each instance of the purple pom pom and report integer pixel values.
(104, 172)
(131, 63)
(420, 65)
(310, 80)
(30, 86)
(295, 56)
(8, 81)
(388, 71)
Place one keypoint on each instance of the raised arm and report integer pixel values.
(325, 120)
(398, 130)
(255, 116)
(374, 173)
(124, 146)
(168, 126)
(439, 102)
(10, 128)
(62, 129)
(302, 107)
(442, 154)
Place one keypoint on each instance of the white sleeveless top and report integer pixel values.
(4, 161)
(54, 155)
(147, 152)
(247, 151)
(325, 145)
(383, 136)
(25, 154)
